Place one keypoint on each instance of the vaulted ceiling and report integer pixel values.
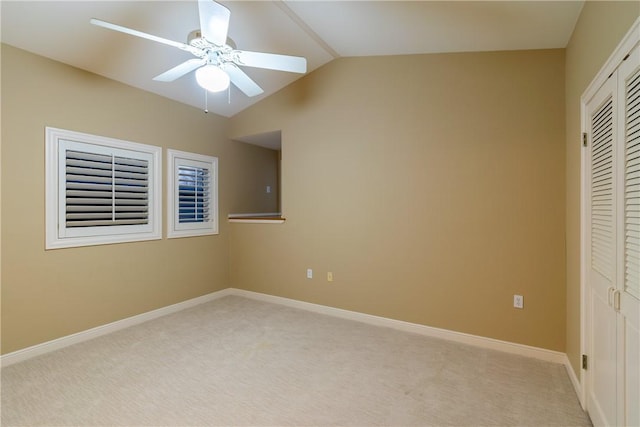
(320, 31)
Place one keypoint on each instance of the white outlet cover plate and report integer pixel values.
(518, 301)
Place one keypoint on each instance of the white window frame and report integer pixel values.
(175, 229)
(57, 235)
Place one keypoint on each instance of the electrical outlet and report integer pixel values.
(329, 276)
(268, 189)
(309, 273)
(518, 301)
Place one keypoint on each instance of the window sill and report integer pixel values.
(257, 218)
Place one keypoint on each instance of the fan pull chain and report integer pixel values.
(206, 101)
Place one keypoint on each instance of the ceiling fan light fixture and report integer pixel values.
(212, 78)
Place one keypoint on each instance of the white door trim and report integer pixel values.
(628, 42)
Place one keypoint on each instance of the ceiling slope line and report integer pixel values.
(306, 28)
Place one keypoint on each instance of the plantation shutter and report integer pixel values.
(602, 230)
(100, 190)
(105, 190)
(632, 186)
(194, 194)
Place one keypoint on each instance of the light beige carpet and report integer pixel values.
(236, 361)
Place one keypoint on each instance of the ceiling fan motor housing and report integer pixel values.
(195, 39)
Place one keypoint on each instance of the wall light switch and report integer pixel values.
(268, 189)
(329, 277)
(309, 273)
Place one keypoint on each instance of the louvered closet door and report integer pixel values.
(613, 238)
(601, 193)
(629, 240)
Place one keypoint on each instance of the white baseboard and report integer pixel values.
(490, 343)
(575, 381)
(484, 342)
(49, 346)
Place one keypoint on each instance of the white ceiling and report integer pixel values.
(320, 31)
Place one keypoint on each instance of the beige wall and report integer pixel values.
(432, 186)
(49, 294)
(598, 31)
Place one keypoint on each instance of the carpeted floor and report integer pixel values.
(236, 361)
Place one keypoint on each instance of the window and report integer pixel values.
(192, 194)
(261, 188)
(100, 190)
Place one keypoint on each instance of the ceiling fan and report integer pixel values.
(217, 59)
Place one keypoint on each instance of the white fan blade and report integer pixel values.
(271, 61)
(241, 80)
(214, 21)
(137, 33)
(180, 70)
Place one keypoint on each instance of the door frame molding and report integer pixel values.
(628, 42)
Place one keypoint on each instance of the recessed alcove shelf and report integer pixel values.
(257, 218)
